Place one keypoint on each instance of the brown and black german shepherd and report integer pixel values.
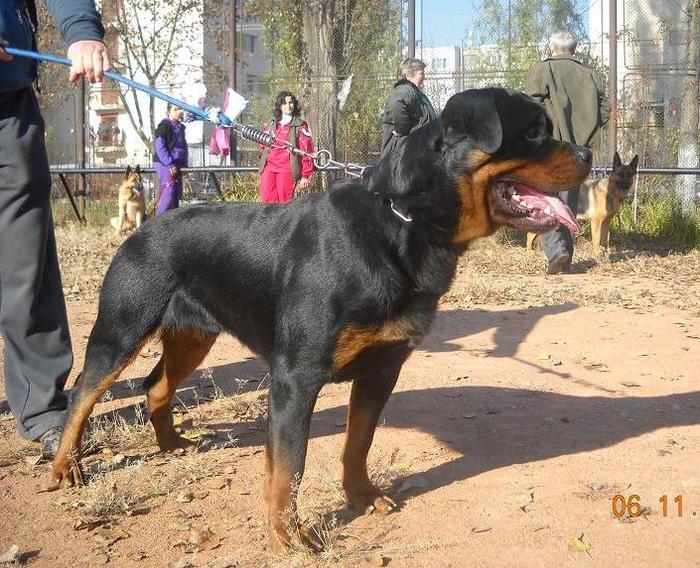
(333, 286)
(131, 202)
(600, 200)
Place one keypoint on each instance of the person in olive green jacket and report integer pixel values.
(575, 101)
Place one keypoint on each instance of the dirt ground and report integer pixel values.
(534, 402)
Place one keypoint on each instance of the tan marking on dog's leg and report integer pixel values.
(595, 233)
(66, 464)
(182, 353)
(530, 243)
(366, 403)
(281, 507)
(605, 234)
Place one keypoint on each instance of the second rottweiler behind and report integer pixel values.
(335, 286)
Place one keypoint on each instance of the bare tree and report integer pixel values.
(688, 142)
(153, 36)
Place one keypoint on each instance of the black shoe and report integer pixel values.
(49, 442)
(560, 264)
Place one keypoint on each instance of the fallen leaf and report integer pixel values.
(12, 555)
(198, 434)
(184, 497)
(107, 537)
(577, 544)
(33, 460)
(180, 526)
(480, 529)
(204, 539)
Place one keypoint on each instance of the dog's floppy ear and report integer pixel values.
(473, 115)
(634, 162)
(127, 172)
(617, 162)
(138, 169)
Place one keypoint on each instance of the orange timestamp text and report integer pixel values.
(630, 506)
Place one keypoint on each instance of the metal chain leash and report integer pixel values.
(322, 159)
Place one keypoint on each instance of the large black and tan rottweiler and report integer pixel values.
(340, 286)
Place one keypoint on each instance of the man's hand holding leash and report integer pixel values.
(89, 58)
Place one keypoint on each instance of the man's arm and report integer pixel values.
(81, 27)
(603, 102)
(403, 106)
(535, 86)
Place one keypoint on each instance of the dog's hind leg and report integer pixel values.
(605, 234)
(105, 359)
(370, 391)
(183, 351)
(596, 237)
(530, 241)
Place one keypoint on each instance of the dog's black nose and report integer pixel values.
(583, 154)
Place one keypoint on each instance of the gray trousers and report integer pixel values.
(561, 239)
(33, 322)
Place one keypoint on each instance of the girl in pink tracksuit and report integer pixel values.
(280, 170)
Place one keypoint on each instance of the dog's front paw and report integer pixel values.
(370, 500)
(66, 472)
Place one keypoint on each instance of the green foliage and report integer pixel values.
(517, 34)
(240, 187)
(659, 217)
(364, 41)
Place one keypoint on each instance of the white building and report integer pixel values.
(443, 72)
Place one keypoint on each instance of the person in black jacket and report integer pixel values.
(33, 322)
(408, 107)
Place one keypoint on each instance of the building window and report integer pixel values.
(441, 64)
(249, 43)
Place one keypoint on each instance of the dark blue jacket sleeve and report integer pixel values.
(76, 19)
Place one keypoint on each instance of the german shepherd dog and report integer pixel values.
(335, 286)
(131, 202)
(600, 200)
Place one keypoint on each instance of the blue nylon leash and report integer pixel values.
(196, 111)
(322, 158)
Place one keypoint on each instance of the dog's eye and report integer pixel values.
(533, 133)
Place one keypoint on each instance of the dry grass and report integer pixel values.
(109, 495)
(13, 453)
(496, 270)
(117, 434)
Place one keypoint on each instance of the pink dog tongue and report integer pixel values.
(559, 210)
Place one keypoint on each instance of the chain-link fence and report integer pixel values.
(340, 59)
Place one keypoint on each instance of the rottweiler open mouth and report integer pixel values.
(525, 207)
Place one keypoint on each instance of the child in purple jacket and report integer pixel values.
(170, 156)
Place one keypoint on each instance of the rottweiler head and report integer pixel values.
(491, 157)
(133, 181)
(506, 166)
(622, 176)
